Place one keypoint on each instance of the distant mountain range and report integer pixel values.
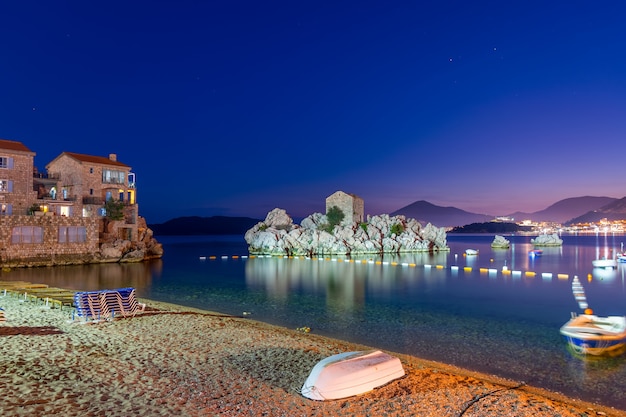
(568, 211)
(563, 211)
(426, 212)
(615, 210)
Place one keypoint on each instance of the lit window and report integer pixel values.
(6, 186)
(6, 209)
(6, 162)
(113, 177)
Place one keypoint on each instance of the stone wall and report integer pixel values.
(351, 205)
(50, 252)
(22, 196)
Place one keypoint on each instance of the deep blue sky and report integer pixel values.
(237, 107)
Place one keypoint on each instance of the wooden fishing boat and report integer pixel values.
(351, 373)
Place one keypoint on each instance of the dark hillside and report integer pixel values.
(564, 210)
(491, 227)
(615, 210)
(426, 212)
(216, 225)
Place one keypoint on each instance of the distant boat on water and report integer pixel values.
(471, 252)
(604, 263)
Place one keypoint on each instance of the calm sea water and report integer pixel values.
(427, 305)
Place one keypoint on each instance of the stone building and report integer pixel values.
(16, 178)
(350, 204)
(85, 182)
(59, 217)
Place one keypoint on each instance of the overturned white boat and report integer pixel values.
(351, 373)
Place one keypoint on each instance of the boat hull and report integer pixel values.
(592, 335)
(604, 263)
(351, 373)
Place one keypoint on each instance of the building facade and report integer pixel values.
(351, 205)
(59, 217)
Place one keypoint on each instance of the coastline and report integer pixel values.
(175, 360)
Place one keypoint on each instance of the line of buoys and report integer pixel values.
(491, 271)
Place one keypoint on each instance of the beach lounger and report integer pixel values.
(38, 292)
(105, 304)
(2, 317)
(89, 306)
(122, 302)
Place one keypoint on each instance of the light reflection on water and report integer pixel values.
(428, 305)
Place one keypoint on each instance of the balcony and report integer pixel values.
(46, 176)
(96, 201)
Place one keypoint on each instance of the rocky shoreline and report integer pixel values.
(110, 250)
(315, 236)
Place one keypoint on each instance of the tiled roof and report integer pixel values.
(13, 145)
(94, 159)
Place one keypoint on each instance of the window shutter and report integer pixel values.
(10, 163)
(10, 186)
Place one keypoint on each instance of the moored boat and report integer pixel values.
(351, 373)
(596, 335)
(535, 252)
(604, 263)
(471, 251)
(588, 334)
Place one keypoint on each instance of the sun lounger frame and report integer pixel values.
(107, 304)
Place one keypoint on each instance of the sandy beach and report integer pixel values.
(173, 360)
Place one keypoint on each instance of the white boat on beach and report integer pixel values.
(351, 373)
(604, 263)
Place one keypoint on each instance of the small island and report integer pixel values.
(500, 242)
(342, 231)
(547, 240)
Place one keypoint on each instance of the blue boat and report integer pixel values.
(588, 334)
